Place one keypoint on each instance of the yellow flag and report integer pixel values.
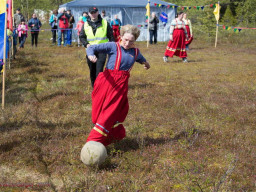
(216, 12)
(2, 6)
(148, 10)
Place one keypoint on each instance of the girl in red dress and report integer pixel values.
(178, 36)
(116, 24)
(109, 97)
(188, 26)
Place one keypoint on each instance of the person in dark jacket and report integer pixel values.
(71, 21)
(153, 21)
(35, 24)
(95, 31)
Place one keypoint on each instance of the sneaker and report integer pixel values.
(165, 59)
(185, 60)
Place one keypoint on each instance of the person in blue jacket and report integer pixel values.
(85, 16)
(54, 25)
(34, 23)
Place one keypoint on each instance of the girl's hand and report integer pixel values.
(92, 58)
(171, 37)
(146, 65)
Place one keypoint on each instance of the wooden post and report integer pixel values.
(9, 55)
(148, 32)
(12, 31)
(217, 28)
(216, 38)
(4, 59)
(27, 11)
(148, 14)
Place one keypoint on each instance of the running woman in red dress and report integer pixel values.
(109, 97)
(178, 36)
(188, 26)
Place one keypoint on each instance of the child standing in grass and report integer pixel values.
(188, 26)
(109, 97)
(23, 33)
(78, 28)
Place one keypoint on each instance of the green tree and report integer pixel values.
(28, 6)
(246, 13)
(228, 17)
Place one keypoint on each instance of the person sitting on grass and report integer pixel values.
(109, 97)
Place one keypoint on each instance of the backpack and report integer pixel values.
(63, 22)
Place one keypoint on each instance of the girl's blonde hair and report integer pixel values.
(130, 29)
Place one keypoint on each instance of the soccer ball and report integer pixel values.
(93, 153)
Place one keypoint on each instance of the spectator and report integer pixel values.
(188, 26)
(85, 16)
(79, 28)
(17, 20)
(71, 21)
(95, 31)
(116, 24)
(54, 25)
(14, 36)
(104, 16)
(63, 23)
(23, 33)
(153, 21)
(35, 24)
(178, 35)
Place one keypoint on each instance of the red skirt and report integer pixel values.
(177, 46)
(116, 32)
(109, 106)
(190, 38)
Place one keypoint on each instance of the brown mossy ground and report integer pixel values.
(191, 126)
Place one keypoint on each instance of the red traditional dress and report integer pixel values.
(115, 24)
(110, 102)
(189, 31)
(177, 46)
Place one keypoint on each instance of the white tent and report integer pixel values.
(128, 11)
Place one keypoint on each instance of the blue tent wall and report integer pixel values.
(129, 12)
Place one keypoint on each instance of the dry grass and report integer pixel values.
(191, 126)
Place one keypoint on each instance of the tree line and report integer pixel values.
(233, 12)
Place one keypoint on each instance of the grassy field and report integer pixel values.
(191, 126)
